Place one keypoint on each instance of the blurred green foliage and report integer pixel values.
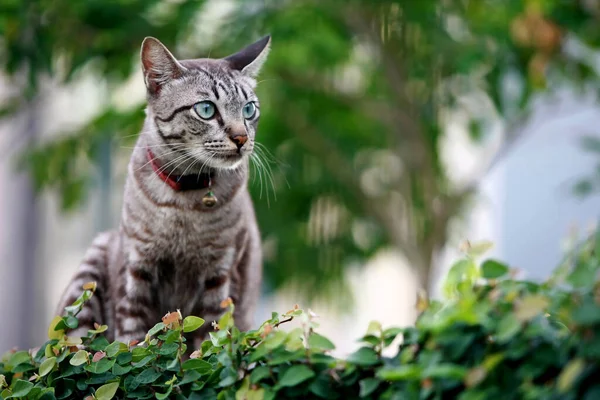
(356, 97)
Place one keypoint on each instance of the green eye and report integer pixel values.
(205, 109)
(249, 110)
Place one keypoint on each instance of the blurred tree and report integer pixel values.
(357, 98)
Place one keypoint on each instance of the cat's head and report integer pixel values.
(205, 109)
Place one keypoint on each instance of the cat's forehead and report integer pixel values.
(216, 67)
(213, 70)
(217, 75)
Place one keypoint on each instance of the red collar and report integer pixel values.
(179, 183)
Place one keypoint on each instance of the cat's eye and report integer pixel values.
(205, 109)
(249, 110)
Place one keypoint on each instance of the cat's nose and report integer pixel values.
(238, 136)
(239, 140)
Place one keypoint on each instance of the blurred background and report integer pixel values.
(394, 130)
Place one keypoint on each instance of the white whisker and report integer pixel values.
(155, 158)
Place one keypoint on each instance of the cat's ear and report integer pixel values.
(158, 65)
(250, 59)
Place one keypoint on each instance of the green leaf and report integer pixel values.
(319, 342)
(392, 333)
(226, 321)
(189, 376)
(569, 374)
(101, 329)
(450, 371)
(144, 361)
(47, 394)
(587, 314)
(492, 269)
(295, 375)
(530, 306)
(491, 361)
(368, 386)
(52, 333)
(168, 348)
(274, 340)
(139, 353)
(124, 358)
(118, 369)
(256, 394)
(21, 388)
(374, 328)
(457, 274)
(71, 322)
(108, 391)
(147, 376)
(156, 328)
(81, 357)
(259, 374)
(101, 366)
(228, 380)
(323, 388)
(508, 327)
(115, 348)
(19, 357)
(99, 344)
(371, 339)
(191, 323)
(403, 372)
(281, 356)
(197, 365)
(162, 396)
(364, 356)
(47, 366)
(25, 367)
(583, 275)
(480, 248)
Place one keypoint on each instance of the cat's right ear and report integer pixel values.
(158, 65)
(250, 59)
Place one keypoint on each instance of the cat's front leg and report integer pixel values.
(135, 311)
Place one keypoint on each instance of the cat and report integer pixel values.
(188, 237)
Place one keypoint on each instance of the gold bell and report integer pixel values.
(209, 199)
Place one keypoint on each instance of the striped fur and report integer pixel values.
(171, 251)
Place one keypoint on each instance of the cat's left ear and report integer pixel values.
(158, 65)
(250, 59)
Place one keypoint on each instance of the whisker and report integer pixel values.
(155, 158)
(178, 145)
(129, 136)
(259, 168)
(186, 157)
(265, 150)
(268, 172)
(262, 149)
(191, 165)
(211, 156)
(265, 80)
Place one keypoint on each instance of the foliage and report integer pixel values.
(356, 100)
(494, 337)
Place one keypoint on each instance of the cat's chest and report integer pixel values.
(194, 236)
(193, 254)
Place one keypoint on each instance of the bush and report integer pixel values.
(495, 337)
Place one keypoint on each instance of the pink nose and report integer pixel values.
(239, 140)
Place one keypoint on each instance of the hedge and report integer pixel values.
(494, 336)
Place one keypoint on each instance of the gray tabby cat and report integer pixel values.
(188, 237)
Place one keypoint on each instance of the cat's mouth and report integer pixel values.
(226, 160)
